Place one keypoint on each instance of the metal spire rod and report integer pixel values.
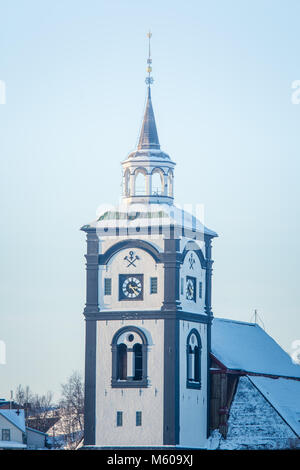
(257, 317)
(149, 80)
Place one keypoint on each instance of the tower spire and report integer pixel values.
(149, 79)
(148, 172)
(149, 137)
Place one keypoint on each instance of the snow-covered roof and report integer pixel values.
(142, 215)
(12, 445)
(247, 347)
(284, 396)
(35, 430)
(16, 417)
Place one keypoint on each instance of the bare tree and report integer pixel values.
(72, 409)
(40, 411)
(24, 398)
(66, 420)
(36, 407)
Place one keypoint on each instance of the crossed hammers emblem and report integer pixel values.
(191, 261)
(131, 259)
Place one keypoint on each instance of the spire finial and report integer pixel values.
(149, 80)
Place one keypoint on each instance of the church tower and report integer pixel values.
(148, 309)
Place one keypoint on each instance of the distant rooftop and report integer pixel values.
(16, 417)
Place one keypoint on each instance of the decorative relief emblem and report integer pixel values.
(131, 258)
(192, 261)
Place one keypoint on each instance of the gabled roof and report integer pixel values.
(16, 417)
(248, 348)
(36, 430)
(284, 396)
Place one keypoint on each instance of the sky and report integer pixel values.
(74, 75)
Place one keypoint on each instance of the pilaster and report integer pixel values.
(92, 273)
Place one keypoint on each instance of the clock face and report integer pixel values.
(191, 288)
(131, 287)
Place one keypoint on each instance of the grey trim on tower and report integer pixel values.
(92, 270)
(172, 261)
(130, 243)
(209, 263)
(171, 303)
(90, 383)
(149, 315)
(171, 383)
(91, 308)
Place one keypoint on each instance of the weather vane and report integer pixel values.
(149, 80)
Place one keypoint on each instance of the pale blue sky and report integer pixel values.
(74, 74)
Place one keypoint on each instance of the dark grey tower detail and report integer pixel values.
(208, 310)
(90, 383)
(90, 310)
(91, 306)
(171, 381)
(172, 259)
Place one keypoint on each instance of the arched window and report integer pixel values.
(129, 358)
(122, 362)
(127, 183)
(170, 183)
(138, 361)
(140, 182)
(157, 182)
(193, 352)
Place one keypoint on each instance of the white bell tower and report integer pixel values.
(148, 310)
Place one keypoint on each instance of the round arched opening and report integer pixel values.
(157, 183)
(140, 183)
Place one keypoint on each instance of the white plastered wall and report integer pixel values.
(145, 265)
(193, 402)
(197, 272)
(16, 434)
(147, 400)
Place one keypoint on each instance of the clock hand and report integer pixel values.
(133, 289)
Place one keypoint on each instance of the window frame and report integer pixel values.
(138, 418)
(6, 430)
(192, 383)
(200, 287)
(155, 280)
(119, 419)
(107, 280)
(129, 382)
